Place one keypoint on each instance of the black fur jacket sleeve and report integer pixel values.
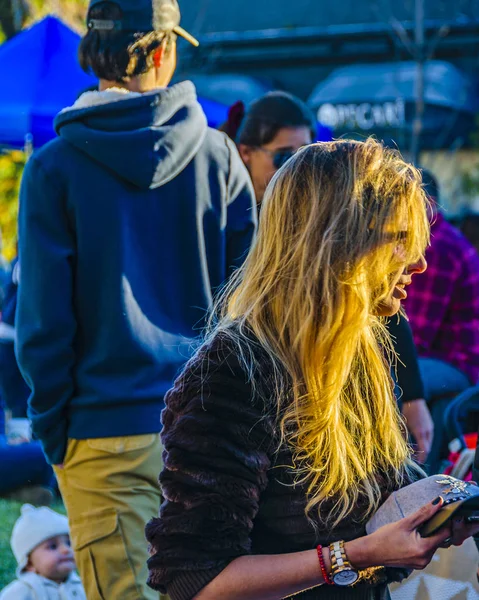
(216, 461)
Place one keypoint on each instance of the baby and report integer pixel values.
(41, 544)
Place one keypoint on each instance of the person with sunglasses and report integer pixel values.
(268, 133)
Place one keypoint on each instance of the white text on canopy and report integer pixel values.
(364, 116)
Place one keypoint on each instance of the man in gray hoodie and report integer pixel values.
(129, 222)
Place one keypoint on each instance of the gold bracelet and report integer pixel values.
(373, 575)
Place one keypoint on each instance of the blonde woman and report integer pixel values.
(282, 434)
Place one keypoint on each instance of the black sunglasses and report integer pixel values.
(279, 157)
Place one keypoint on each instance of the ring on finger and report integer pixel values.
(447, 543)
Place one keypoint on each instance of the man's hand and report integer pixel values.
(420, 426)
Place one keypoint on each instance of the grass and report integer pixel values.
(9, 513)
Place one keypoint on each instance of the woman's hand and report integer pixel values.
(401, 545)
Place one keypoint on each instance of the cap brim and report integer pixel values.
(186, 36)
(440, 519)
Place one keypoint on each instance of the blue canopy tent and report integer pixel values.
(41, 75)
(215, 112)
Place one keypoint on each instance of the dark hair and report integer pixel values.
(267, 115)
(117, 55)
(430, 184)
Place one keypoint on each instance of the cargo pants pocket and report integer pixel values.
(100, 547)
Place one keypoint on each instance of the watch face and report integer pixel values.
(345, 577)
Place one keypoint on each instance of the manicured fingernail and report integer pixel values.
(437, 500)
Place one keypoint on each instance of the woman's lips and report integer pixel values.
(400, 288)
(401, 292)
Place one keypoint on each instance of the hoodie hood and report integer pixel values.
(145, 139)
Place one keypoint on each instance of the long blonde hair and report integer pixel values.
(326, 253)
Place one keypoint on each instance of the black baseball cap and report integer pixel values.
(143, 16)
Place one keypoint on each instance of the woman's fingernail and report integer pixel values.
(437, 500)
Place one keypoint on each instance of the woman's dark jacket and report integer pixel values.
(227, 492)
(409, 383)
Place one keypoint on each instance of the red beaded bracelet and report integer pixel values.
(324, 572)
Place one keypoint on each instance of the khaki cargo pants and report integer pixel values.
(110, 490)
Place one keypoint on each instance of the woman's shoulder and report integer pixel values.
(222, 381)
(223, 349)
(226, 355)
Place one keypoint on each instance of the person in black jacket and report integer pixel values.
(282, 434)
(410, 387)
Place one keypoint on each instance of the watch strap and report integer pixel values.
(340, 562)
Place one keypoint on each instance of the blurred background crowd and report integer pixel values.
(406, 73)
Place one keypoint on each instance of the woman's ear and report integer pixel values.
(245, 153)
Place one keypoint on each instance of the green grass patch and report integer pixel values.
(9, 513)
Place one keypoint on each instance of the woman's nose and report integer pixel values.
(419, 266)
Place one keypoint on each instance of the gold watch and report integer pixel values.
(342, 572)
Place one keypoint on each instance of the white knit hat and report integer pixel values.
(34, 526)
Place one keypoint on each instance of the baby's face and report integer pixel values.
(53, 559)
